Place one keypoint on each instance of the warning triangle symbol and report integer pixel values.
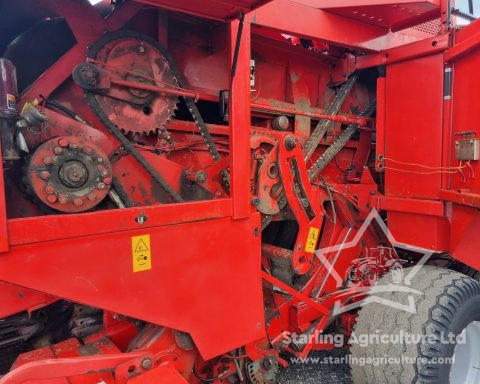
(141, 246)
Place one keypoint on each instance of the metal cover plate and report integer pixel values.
(210, 9)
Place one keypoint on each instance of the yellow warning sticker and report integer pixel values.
(312, 239)
(141, 253)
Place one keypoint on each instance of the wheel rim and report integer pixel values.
(397, 275)
(466, 359)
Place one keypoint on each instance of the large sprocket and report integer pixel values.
(134, 58)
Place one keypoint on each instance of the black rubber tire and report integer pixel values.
(450, 302)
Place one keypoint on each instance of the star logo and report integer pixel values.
(373, 265)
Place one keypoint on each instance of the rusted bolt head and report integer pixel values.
(73, 146)
(101, 186)
(62, 199)
(201, 177)
(45, 175)
(57, 150)
(63, 142)
(290, 143)
(49, 189)
(52, 198)
(78, 201)
(47, 160)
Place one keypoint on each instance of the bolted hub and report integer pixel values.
(70, 174)
(73, 174)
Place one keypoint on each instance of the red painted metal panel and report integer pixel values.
(212, 9)
(16, 299)
(314, 23)
(393, 14)
(56, 227)
(213, 280)
(425, 231)
(413, 127)
(413, 147)
(3, 212)
(240, 123)
(467, 248)
(465, 107)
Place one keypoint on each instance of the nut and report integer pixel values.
(45, 175)
(290, 143)
(52, 198)
(78, 201)
(49, 189)
(63, 142)
(147, 363)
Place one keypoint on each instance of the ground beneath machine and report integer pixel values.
(317, 373)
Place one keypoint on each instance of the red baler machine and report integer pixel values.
(172, 171)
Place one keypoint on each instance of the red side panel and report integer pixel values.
(413, 146)
(204, 278)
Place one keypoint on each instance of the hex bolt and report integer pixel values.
(107, 180)
(141, 49)
(47, 160)
(290, 143)
(45, 175)
(255, 201)
(52, 198)
(57, 150)
(73, 146)
(63, 142)
(104, 172)
(62, 199)
(305, 203)
(101, 186)
(146, 363)
(141, 218)
(201, 177)
(78, 201)
(49, 189)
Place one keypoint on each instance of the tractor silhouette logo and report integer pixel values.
(375, 263)
(361, 280)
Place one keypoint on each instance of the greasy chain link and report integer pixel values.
(192, 107)
(339, 143)
(324, 125)
(319, 132)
